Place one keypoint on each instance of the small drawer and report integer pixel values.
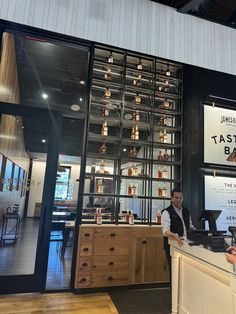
(84, 264)
(83, 280)
(110, 279)
(86, 234)
(86, 249)
(107, 247)
(116, 233)
(110, 263)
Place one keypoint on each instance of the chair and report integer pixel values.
(57, 233)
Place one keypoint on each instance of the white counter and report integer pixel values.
(203, 282)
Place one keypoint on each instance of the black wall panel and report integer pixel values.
(199, 83)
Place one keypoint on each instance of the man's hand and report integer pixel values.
(178, 239)
(231, 258)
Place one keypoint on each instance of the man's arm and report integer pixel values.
(165, 223)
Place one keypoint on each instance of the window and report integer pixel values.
(62, 183)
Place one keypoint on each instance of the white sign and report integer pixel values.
(219, 136)
(220, 194)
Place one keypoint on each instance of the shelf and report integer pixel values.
(137, 107)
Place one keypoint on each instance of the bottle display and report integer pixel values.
(135, 125)
(131, 218)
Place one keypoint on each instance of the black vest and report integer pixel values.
(176, 225)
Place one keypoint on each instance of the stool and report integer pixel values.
(10, 227)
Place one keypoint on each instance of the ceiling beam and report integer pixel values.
(189, 6)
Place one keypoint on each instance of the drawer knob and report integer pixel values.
(110, 278)
(85, 249)
(112, 249)
(110, 263)
(86, 235)
(83, 279)
(85, 264)
(144, 241)
(112, 235)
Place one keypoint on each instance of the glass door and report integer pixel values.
(62, 232)
(28, 166)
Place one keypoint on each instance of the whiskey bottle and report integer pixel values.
(138, 81)
(158, 217)
(99, 216)
(139, 64)
(159, 192)
(101, 169)
(133, 190)
(103, 149)
(110, 58)
(107, 74)
(133, 152)
(134, 170)
(131, 218)
(130, 190)
(165, 104)
(164, 136)
(166, 156)
(164, 191)
(137, 116)
(161, 137)
(104, 130)
(130, 172)
(159, 156)
(133, 133)
(136, 134)
(107, 93)
(168, 71)
(165, 173)
(105, 112)
(137, 99)
(100, 187)
(127, 215)
(163, 121)
(159, 173)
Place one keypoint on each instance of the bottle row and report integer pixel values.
(118, 61)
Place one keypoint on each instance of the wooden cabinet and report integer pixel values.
(148, 258)
(117, 255)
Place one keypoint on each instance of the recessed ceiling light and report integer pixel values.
(43, 140)
(124, 149)
(22, 127)
(81, 99)
(75, 107)
(45, 96)
(36, 158)
(82, 82)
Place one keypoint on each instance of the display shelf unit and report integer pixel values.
(134, 140)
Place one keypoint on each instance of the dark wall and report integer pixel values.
(199, 83)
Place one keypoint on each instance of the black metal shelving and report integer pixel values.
(135, 134)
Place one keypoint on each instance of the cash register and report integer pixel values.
(211, 239)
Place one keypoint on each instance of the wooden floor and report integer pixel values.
(65, 303)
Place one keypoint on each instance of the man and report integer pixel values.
(175, 221)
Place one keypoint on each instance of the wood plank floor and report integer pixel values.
(65, 303)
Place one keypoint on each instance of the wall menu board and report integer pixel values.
(219, 136)
(220, 194)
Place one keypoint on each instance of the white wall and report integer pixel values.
(139, 25)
